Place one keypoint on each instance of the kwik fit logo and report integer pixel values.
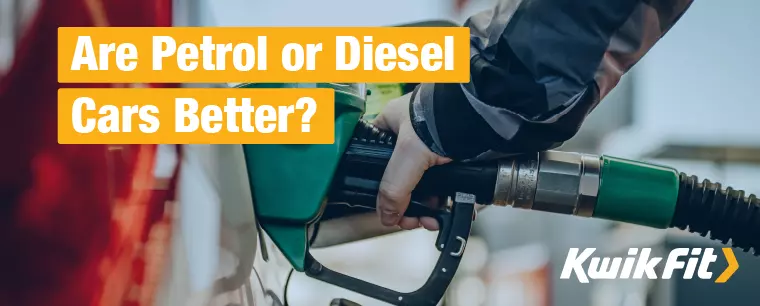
(694, 262)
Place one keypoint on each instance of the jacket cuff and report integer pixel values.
(421, 116)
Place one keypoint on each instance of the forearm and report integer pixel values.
(538, 68)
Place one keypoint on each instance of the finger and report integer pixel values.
(440, 160)
(429, 223)
(386, 122)
(389, 218)
(404, 171)
(392, 115)
(381, 122)
(409, 223)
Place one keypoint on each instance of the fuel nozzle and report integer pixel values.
(568, 183)
(552, 181)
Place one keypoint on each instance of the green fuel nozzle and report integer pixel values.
(569, 183)
(296, 187)
(552, 181)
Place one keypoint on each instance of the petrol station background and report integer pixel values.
(691, 103)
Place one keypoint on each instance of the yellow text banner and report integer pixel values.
(196, 116)
(290, 54)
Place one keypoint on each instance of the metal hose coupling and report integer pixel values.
(551, 181)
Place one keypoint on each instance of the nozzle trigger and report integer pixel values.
(455, 227)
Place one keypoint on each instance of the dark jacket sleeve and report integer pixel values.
(538, 68)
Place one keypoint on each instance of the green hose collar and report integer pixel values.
(637, 192)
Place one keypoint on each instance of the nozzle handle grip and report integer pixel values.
(357, 180)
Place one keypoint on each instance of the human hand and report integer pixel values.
(409, 161)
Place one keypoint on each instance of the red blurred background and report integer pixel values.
(75, 219)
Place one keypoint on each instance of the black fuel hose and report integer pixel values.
(725, 214)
